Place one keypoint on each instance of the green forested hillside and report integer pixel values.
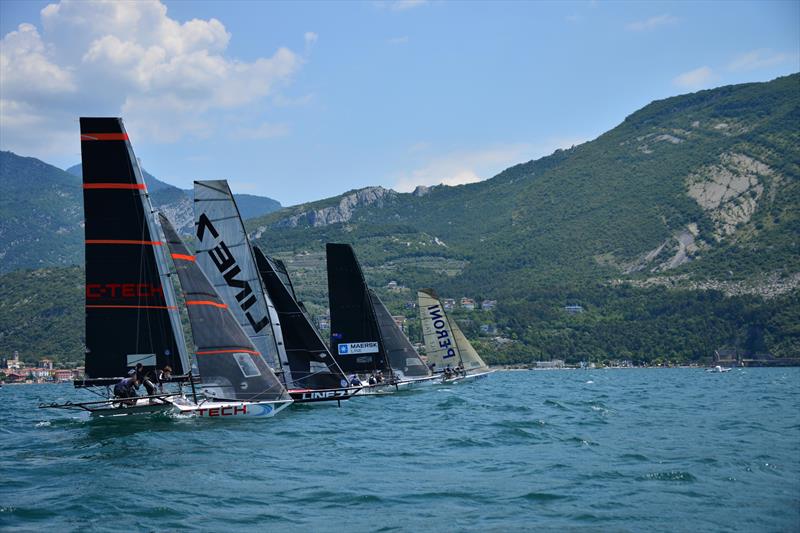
(677, 233)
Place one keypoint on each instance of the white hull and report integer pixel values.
(468, 377)
(230, 409)
(405, 384)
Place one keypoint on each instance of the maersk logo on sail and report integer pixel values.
(347, 348)
(440, 326)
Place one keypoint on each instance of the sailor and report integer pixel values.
(354, 381)
(164, 376)
(127, 389)
(372, 380)
(143, 376)
(379, 376)
(460, 369)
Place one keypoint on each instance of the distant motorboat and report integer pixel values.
(718, 369)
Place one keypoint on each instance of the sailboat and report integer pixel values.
(364, 336)
(445, 344)
(131, 308)
(234, 377)
(263, 303)
(131, 311)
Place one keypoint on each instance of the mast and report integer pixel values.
(131, 315)
(226, 256)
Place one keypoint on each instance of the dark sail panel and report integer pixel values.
(402, 356)
(230, 366)
(355, 337)
(312, 365)
(127, 312)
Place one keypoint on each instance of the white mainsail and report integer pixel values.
(225, 255)
(445, 343)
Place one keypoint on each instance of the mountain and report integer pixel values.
(676, 233)
(42, 218)
(41, 212)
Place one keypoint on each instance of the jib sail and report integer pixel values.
(355, 335)
(231, 368)
(445, 344)
(313, 366)
(402, 356)
(225, 255)
(131, 313)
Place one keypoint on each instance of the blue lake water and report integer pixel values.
(587, 450)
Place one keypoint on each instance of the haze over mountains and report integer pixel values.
(677, 233)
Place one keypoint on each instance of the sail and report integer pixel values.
(469, 357)
(445, 344)
(355, 336)
(440, 346)
(230, 366)
(402, 356)
(131, 314)
(225, 256)
(312, 365)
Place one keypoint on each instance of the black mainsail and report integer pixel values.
(364, 336)
(131, 311)
(231, 368)
(313, 366)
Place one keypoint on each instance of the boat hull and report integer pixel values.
(232, 409)
(468, 377)
(323, 395)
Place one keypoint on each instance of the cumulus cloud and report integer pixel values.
(462, 167)
(694, 79)
(127, 57)
(757, 59)
(651, 23)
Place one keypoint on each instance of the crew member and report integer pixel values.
(143, 376)
(127, 389)
(164, 376)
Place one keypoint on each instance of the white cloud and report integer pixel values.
(652, 23)
(398, 40)
(170, 79)
(695, 79)
(462, 167)
(757, 59)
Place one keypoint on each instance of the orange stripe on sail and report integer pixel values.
(130, 307)
(206, 302)
(183, 256)
(104, 136)
(123, 241)
(211, 352)
(136, 186)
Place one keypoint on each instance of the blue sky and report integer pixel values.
(304, 100)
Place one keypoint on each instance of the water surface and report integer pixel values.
(584, 450)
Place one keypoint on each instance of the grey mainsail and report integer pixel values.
(231, 367)
(225, 255)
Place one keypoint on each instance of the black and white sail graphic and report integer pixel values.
(131, 314)
(355, 335)
(313, 366)
(361, 326)
(225, 255)
(231, 367)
